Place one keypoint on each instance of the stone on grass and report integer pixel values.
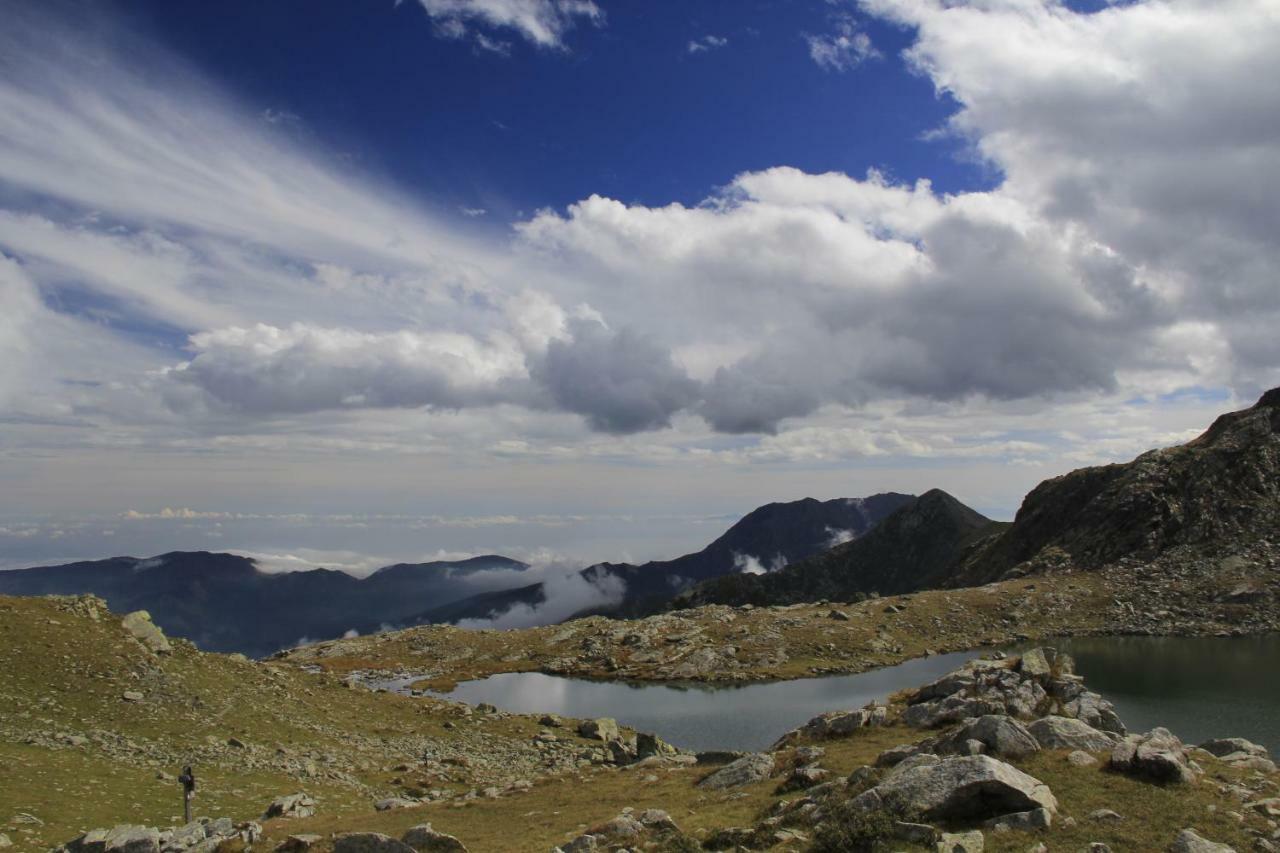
(298, 843)
(369, 842)
(1225, 746)
(960, 842)
(1188, 841)
(138, 624)
(424, 839)
(290, 805)
(752, 767)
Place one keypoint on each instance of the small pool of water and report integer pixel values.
(1197, 687)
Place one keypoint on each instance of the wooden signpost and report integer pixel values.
(188, 782)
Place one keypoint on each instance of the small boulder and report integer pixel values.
(1157, 756)
(424, 839)
(138, 625)
(1067, 733)
(290, 805)
(393, 803)
(1188, 841)
(369, 842)
(1022, 821)
(1225, 746)
(1081, 759)
(298, 843)
(960, 842)
(752, 767)
(602, 728)
(997, 733)
(132, 839)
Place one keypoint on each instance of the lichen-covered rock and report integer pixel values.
(997, 734)
(967, 787)
(1157, 756)
(602, 728)
(752, 767)
(138, 624)
(960, 842)
(369, 842)
(424, 839)
(1188, 841)
(290, 805)
(132, 839)
(1066, 733)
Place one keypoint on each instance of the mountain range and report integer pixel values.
(223, 602)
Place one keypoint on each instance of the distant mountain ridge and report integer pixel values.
(911, 549)
(1217, 491)
(223, 602)
(775, 534)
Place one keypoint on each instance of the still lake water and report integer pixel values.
(1197, 687)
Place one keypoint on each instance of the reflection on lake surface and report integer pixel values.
(699, 716)
(1197, 687)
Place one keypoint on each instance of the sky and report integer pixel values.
(345, 284)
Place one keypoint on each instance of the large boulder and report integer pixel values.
(1157, 756)
(1189, 842)
(752, 767)
(967, 787)
(369, 842)
(424, 839)
(1067, 733)
(1043, 664)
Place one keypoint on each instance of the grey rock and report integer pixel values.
(1081, 759)
(132, 839)
(1156, 756)
(1000, 735)
(977, 787)
(916, 833)
(1188, 841)
(223, 827)
(138, 625)
(960, 842)
(393, 803)
(297, 843)
(1104, 815)
(602, 728)
(1096, 712)
(752, 767)
(1027, 821)
(369, 842)
(1067, 733)
(1224, 746)
(290, 805)
(424, 839)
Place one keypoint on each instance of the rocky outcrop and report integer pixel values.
(202, 836)
(369, 842)
(629, 830)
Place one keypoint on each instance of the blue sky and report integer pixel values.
(623, 108)
(575, 280)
